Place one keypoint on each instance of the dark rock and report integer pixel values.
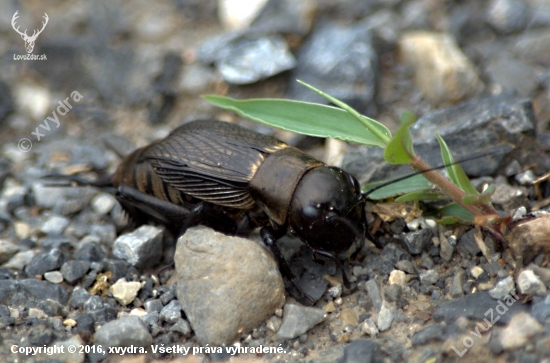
(181, 326)
(314, 286)
(244, 59)
(91, 252)
(508, 15)
(7, 104)
(103, 315)
(467, 245)
(417, 242)
(44, 262)
(297, 320)
(171, 312)
(341, 61)
(74, 270)
(85, 325)
(118, 268)
(541, 311)
(375, 294)
(41, 334)
(141, 248)
(78, 298)
(124, 332)
(31, 289)
(153, 305)
(168, 296)
(363, 351)
(243, 287)
(93, 302)
(429, 277)
(434, 333)
(475, 306)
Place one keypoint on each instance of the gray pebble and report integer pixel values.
(297, 320)
(141, 248)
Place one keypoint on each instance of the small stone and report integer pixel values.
(171, 312)
(105, 232)
(446, 249)
(7, 250)
(502, 288)
(226, 285)
(522, 327)
(508, 15)
(475, 306)
(457, 283)
(363, 351)
(429, 277)
(273, 323)
(69, 322)
(182, 327)
(125, 292)
(369, 328)
(375, 294)
(386, 316)
(124, 332)
(103, 203)
(348, 317)
(22, 229)
(74, 270)
(441, 71)
(417, 242)
(55, 225)
(139, 312)
(37, 313)
(506, 197)
(297, 320)
(153, 305)
(141, 248)
(392, 293)
(476, 271)
(335, 291)
(397, 277)
(44, 262)
(329, 307)
(530, 284)
(54, 277)
(66, 353)
(406, 265)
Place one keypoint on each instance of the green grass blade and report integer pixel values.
(456, 173)
(304, 118)
(400, 149)
(413, 184)
(426, 194)
(383, 134)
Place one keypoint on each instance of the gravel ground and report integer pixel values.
(74, 273)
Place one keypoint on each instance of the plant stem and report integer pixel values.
(456, 194)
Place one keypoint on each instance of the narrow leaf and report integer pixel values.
(400, 149)
(455, 171)
(427, 194)
(304, 118)
(413, 184)
(368, 122)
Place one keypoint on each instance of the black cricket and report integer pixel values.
(235, 180)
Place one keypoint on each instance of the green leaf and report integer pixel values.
(455, 211)
(412, 184)
(400, 149)
(305, 118)
(427, 194)
(455, 171)
(368, 122)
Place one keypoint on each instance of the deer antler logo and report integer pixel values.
(29, 41)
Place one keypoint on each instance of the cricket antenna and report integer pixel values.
(405, 177)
